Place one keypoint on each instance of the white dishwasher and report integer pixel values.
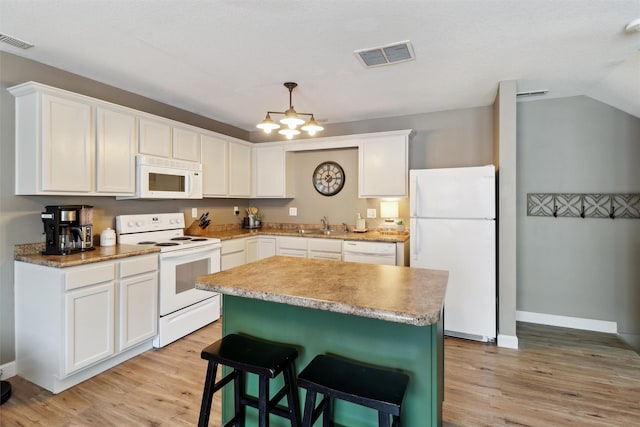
(369, 252)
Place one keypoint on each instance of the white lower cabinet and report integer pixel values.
(309, 247)
(137, 292)
(233, 253)
(293, 246)
(325, 249)
(89, 325)
(242, 251)
(73, 323)
(266, 247)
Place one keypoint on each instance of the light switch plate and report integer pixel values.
(236, 210)
(293, 211)
(371, 213)
(194, 212)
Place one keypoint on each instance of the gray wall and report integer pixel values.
(443, 139)
(585, 268)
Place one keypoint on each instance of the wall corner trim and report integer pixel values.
(508, 341)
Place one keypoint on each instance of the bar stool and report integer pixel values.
(248, 355)
(335, 378)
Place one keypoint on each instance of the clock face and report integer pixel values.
(328, 178)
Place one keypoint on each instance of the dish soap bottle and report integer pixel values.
(360, 224)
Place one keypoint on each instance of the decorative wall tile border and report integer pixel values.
(584, 205)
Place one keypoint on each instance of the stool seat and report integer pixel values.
(250, 355)
(247, 355)
(332, 377)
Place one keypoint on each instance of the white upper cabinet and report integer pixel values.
(239, 170)
(271, 177)
(186, 144)
(383, 166)
(54, 141)
(116, 140)
(215, 166)
(166, 138)
(155, 137)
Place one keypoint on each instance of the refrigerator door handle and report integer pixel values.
(416, 241)
(416, 197)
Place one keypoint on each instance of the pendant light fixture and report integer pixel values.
(291, 120)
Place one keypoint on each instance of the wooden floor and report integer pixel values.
(558, 377)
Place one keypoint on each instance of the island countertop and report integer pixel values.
(413, 296)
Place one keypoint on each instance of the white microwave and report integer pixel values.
(160, 178)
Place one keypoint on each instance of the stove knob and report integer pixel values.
(178, 220)
(138, 223)
(130, 224)
(172, 221)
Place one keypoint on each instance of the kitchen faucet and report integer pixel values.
(325, 223)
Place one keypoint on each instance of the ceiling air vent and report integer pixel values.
(386, 55)
(15, 42)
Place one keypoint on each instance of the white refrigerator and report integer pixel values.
(453, 228)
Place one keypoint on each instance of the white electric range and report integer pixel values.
(183, 309)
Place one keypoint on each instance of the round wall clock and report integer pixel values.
(328, 178)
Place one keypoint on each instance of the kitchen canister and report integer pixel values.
(108, 237)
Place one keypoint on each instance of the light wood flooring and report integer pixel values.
(558, 377)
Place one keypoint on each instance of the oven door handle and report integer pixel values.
(183, 253)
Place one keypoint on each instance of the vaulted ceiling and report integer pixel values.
(227, 60)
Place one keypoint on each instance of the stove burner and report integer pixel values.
(147, 243)
(167, 244)
(181, 238)
(199, 239)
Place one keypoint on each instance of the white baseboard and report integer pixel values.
(568, 322)
(508, 341)
(8, 370)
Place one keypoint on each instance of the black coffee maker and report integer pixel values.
(68, 229)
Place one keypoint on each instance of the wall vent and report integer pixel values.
(386, 55)
(15, 42)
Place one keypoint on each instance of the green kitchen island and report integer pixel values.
(381, 315)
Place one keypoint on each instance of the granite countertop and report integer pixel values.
(30, 253)
(374, 236)
(412, 296)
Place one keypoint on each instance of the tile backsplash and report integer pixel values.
(584, 205)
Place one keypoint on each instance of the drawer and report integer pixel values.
(299, 243)
(83, 276)
(326, 255)
(293, 252)
(138, 265)
(233, 245)
(325, 245)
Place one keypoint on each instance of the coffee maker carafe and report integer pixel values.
(68, 229)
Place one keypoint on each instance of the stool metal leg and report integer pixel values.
(207, 394)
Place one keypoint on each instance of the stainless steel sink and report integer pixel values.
(318, 231)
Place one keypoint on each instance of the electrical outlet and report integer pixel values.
(236, 210)
(371, 213)
(293, 211)
(194, 212)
